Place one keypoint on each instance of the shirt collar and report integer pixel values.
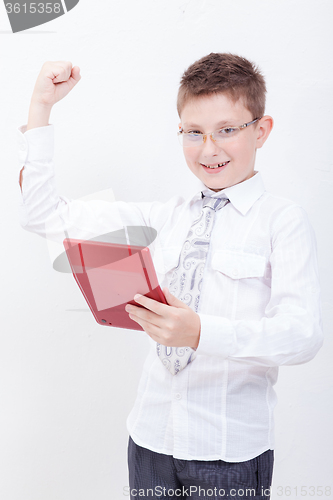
(242, 196)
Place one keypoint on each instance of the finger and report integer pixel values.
(151, 304)
(149, 328)
(142, 313)
(136, 319)
(74, 78)
(62, 72)
(75, 75)
(172, 300)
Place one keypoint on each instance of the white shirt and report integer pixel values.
(259, 306)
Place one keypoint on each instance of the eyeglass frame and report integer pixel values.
(204, 136)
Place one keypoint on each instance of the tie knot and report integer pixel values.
(214, 203)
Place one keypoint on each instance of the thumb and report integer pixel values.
(75, 76)
(172, 300)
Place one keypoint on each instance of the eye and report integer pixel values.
(193, 132)
(193, 136)
(227, 131)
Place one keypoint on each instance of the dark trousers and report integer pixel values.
(157, 476)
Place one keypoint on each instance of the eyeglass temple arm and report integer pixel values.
(250, 123)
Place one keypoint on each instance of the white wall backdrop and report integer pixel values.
(63, 405)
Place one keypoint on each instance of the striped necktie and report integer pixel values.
(186, 280)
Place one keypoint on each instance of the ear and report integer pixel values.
(263, 130)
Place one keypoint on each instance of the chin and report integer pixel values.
(216, 189)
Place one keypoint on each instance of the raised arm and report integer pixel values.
(55, 80)
(42, 210)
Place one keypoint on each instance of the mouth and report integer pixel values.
(215, 168)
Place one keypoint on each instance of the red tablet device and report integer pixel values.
(109, 275)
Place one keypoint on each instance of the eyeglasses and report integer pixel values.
(195, 138)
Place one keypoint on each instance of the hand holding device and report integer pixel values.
(174, 325)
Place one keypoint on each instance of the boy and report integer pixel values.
(244, 280)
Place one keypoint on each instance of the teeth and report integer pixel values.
(219, 165)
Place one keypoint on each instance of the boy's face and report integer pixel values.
(209, 113)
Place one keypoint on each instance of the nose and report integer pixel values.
(210, 148)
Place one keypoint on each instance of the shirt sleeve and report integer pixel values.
(44, 212)
(290, 332)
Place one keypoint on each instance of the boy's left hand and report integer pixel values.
(173, 325)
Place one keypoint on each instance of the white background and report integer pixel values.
(63, 405)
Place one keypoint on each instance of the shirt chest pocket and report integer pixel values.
(239, 265)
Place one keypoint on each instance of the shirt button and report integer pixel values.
(178, 396)
(235, 272)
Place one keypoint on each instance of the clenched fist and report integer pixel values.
(54, 82)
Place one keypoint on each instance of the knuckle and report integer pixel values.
(168, 337)
(177, 316)
(172, 328)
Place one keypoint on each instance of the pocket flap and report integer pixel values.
(239, 265)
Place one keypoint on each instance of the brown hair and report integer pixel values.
(224, 73)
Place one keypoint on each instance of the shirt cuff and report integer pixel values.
(35, 144)
(217, 336)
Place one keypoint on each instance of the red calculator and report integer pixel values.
(109, 275)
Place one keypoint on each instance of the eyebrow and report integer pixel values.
(219, 125)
